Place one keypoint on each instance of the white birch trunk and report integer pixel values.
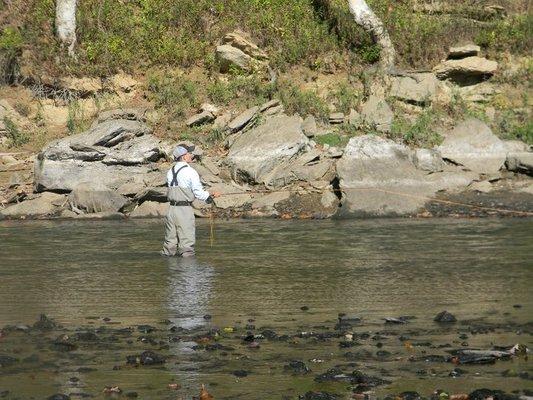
(66, 23)
(365, 17)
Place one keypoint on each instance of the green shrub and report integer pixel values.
(346, 97)
(331, 139)
(515, 124)
(303, 102)
(420, 133)
(76, 119)
(11, 40)
(16, 137)
(175, 94)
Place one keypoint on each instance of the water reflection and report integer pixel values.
(190, 283)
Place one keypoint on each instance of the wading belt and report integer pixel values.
(181, 203)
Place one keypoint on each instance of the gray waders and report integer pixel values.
(180, 228)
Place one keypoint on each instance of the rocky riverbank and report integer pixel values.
(272, 162)
(365, 359)
(272, 169)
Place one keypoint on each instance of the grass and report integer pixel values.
(303, 102)
(138, 35)
(16, 137)
(419, 133)
(175, 94)
(331, 139)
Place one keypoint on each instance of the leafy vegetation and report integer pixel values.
(16, 137)
(141, 34)
(418, 133)
(303, 102)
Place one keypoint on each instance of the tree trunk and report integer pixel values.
(365, 17)
(66, 23)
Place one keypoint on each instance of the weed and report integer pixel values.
(346, 97)
(420, 133)
(14, 134)
(175, 94)
(331, 139)
(303, 102)
(22, 108)
(76, 119)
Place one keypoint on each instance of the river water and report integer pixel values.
(262, 273)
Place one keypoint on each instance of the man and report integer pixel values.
(183, 187)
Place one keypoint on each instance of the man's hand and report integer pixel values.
(216, 194)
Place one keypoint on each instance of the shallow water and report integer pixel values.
(266, 270)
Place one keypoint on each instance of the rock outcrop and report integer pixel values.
(257, 154)
(473, 145)
(466, 71)
(111, 153)
(378, 178)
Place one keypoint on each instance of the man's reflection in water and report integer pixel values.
(190, 284)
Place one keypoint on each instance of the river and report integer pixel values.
(292, 277)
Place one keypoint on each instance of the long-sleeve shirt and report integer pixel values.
(188, 178)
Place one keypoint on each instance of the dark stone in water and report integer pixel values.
(347, 321)
(367, 380)
(456, 372)
(240, 373)
(517, 305)
(304, 308)
(395, 321)
(4, 393)
(318, 396)
(7, 361)
(333, 375)
(482, 394)
(445, 317)
(45, 324)
(269, 334)
(146, 358)
(409, 396)
(207, 317)
(132, 395)
(58, 397)
(383, 354)
(146, 329)
(86, 337)
(74, 379)
(297, 367)
(63, 344)
(347, 344)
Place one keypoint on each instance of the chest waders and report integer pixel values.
(180, 230)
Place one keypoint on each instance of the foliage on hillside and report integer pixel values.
(135, 35)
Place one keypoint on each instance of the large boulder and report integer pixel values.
(473, 145)
(520, 162)
(239, 40)
(415, 88)
(231, 57)
(466, 71)
(378, 178)
(42, 205)
(109, 153)
(377, 113)
(94, 197)
(256, 153)
(150, 209)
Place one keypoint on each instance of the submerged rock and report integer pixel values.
(146, 358)
(58, 396)
(45, 324)
(297, 367)
(445, 317)
(7, 361)
(319, 396)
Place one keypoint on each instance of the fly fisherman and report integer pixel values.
(183, 187)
